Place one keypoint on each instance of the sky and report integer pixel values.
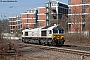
(10, 9)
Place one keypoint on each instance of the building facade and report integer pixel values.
(41, 17)
(54, 11)
(79, 14)
(12, 25)
(18, 23)
(29, 18)
(48, 15)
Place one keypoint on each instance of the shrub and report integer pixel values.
(76, 38)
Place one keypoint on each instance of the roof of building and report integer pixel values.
(55, 1)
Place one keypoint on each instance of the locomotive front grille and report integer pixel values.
(57, 36)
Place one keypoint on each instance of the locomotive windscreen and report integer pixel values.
(58, 29)
(61, 31)
(55, 31)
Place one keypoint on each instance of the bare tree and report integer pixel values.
(63, 22)
(4, 26)
(87, 18)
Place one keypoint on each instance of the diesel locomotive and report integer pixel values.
(49, 35)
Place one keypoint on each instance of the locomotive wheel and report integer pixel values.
(24, 41)
(61, 43)
(44, 44)
(49, 43)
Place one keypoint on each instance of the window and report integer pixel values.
(83, 9)
(47, 10)
(18, 27)
(18, 22)
(69, 18)
(53, 4)
(61, 31)
(83, 27)
(43, 33)
(47, 22)
(18, 18)
(55, 31)
(50, 32)
(22, 33)
(47, 17)
(47, 5)
(83, 18)
(69, 2)
(26, 33)
(83, 1)
(69, 10)
(27, 21)
(32, 11)
(69, 27)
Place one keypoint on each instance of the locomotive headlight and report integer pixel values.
(54, 37)
(62, 37)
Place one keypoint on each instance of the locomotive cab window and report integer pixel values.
(55, 31)
(22, 33)
(61, 31)
(26, 33)
(50, 32)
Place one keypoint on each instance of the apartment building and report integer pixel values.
(79, 14)
(49, 14)
(12, 25)
(18, 23)
(54, 12)
(29, 18)
(41, 17)
(15, 24)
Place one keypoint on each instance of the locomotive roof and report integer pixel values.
(58, 27)
(46, 27)
(49, 27)
(32, 29)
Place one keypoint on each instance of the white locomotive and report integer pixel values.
(49, 35)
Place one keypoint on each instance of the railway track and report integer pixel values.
(60, 49)
(64, 49)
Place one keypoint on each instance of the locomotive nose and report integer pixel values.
(58, 37)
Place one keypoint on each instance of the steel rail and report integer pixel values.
(59, 49)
